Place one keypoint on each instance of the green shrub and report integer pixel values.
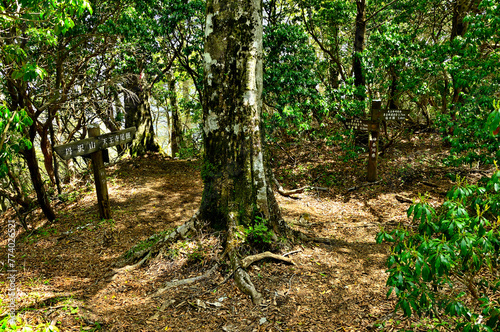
(446, 265)
(259, 234)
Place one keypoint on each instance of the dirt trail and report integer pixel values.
(65, 267)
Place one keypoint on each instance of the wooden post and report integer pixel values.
(101, 185)
(373, 140)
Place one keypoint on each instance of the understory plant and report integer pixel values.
(259, 233)
(6, 325)
(445, 265)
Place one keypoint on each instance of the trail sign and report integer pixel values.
(358, 124)
(372, 127)
(373, 134)
(398, 115)
(94, 146)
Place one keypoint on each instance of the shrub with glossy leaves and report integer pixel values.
(446, 264)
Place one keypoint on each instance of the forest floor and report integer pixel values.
(65, 273)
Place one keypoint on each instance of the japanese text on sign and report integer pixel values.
(358, 124)
(395, 115)
(94, 144)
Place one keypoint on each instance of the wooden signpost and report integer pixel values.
(94, 146)
(372, 127)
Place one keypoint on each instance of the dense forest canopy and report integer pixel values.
(65, 65)
(70, 64)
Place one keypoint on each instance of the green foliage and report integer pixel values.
(197, 255)
(289, 78)
(471, 140)
(146, 244)
(447, 263)
(12, 138)
(259, 233)
(208, 170)
(493, 122)
(20, 325)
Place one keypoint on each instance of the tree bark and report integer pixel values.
(176, 130)
(54, 158)
(359, 43)
(236, 174)
(237, 179)
(36, 178)
(138, 114)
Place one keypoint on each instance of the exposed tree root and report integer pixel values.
(128, 268)
(240, 276)
(242, 280)
(187, 229)
(177, 283)
(233, 243)
(249, 260)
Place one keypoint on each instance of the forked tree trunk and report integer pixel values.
(138, 114)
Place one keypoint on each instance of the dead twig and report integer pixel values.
(403, 199)
(292, 252)
(363, 185)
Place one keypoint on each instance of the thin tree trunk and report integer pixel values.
(54, 158)
(47, 152)
(36, 178)
(176, 130)
(359, 43)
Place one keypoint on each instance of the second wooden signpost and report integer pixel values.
(93, 146)
(372, 126)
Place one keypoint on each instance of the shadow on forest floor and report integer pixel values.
(64, 267)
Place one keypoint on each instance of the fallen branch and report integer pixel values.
(288, 193)
(323, 240)
(363, 185)
(355, 225)
(249, 260)
(429, 184)
(403, 199)
(292, 252)
(181, 232)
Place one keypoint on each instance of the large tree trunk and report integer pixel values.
(237, 180)
(138, 114)
(236, 175)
